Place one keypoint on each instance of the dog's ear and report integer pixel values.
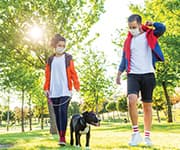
(85, 113)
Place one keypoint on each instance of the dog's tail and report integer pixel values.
(71, 133)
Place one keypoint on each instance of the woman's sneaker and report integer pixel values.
(135, 139)
(147, 141)
(62, 143)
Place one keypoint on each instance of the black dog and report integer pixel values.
(81, 125)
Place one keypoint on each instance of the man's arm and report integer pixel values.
(159, 28)
(121, 69)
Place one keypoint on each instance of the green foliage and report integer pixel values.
(73, 19)
(11, 116)
(159, 102)
(94, 83)
(22, 57)
(104, 110)
(74, 108)
(122, 104)
(111, 106)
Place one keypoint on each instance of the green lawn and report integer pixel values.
(113, 136)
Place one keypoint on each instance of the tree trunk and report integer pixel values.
(97, 105)
(113, 116)
(53, 128)
(128, 116)
(42, 117)
(102, 116)
(119, 115)
(170, 118)
(0, 119)
(8, 101)
(22, 112)
(157, 112)
(30, 114)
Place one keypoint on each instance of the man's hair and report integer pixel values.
(56, 39)
(135, 17)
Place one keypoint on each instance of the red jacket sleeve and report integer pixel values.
(74, 76)
(47, 77)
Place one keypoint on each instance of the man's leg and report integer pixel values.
(132, 107)
(148, 84)
(133, 90)
(147, 108)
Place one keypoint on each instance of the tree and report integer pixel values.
(0, 115)
(74, 108)
(168, 73)
(22, 80)
(9, 114)
(94, 83)
(111, 107)
(17, 112)
(73, 19)
(122, 105)
(70, 18)
(104, 110)
(40, 102)
(159, 102)
(30, 113)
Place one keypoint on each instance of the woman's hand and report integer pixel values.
(46, 92)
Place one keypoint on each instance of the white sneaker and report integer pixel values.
(147, 141)
(135, 139)
(62, 143)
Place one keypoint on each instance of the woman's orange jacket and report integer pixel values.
(70, 70)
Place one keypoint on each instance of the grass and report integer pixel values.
(109, 136)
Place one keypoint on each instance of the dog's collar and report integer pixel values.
(83, 122)
(86, 129)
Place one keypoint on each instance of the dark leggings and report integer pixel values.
(60, 106)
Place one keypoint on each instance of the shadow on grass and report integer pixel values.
(44, 137)
(168, 127)
(13, 138)
(67, 147)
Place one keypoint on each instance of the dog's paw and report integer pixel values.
(87, 148)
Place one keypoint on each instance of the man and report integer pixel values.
(141, 51)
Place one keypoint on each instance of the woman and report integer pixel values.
(60, 76)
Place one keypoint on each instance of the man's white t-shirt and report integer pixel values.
(141, 55)
(59, 83)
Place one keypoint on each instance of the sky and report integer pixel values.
(114, 18)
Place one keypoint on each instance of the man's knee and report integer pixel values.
(132, 99)
(147, 106)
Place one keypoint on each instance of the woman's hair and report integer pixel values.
(56, 39)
